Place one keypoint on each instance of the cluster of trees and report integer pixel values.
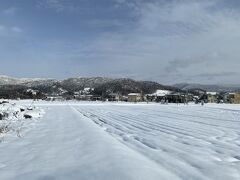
(18, 91)
(126, 86)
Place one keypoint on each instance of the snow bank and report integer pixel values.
(13, 116)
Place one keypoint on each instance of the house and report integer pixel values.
(161, 95)
(234, 98)
(135, 97)
(158, 96)
(124, 98)
(54, 98)
(84, 97)
(85, 91)
(114, 97)
(176, 98)
(189, 97)
(96, 98)
(165, 96)
(229, 98)
(212, 97)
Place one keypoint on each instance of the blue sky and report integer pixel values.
(168, 41)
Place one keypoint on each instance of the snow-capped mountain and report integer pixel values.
(6, 80)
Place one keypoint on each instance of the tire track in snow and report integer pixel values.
(149, 131)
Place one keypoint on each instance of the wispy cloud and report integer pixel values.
(178, 65)
(16, 29)
(8, 31)
(11, 11)
(58, 5)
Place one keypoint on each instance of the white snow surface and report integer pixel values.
(126, 141)
(14, 121)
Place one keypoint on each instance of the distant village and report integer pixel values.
(107, 89)
(160, 96)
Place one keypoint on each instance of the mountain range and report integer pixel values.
(212, 88)
(101, 85)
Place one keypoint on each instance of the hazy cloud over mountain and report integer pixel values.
(169, 41)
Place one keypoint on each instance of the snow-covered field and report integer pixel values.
(125, 141)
